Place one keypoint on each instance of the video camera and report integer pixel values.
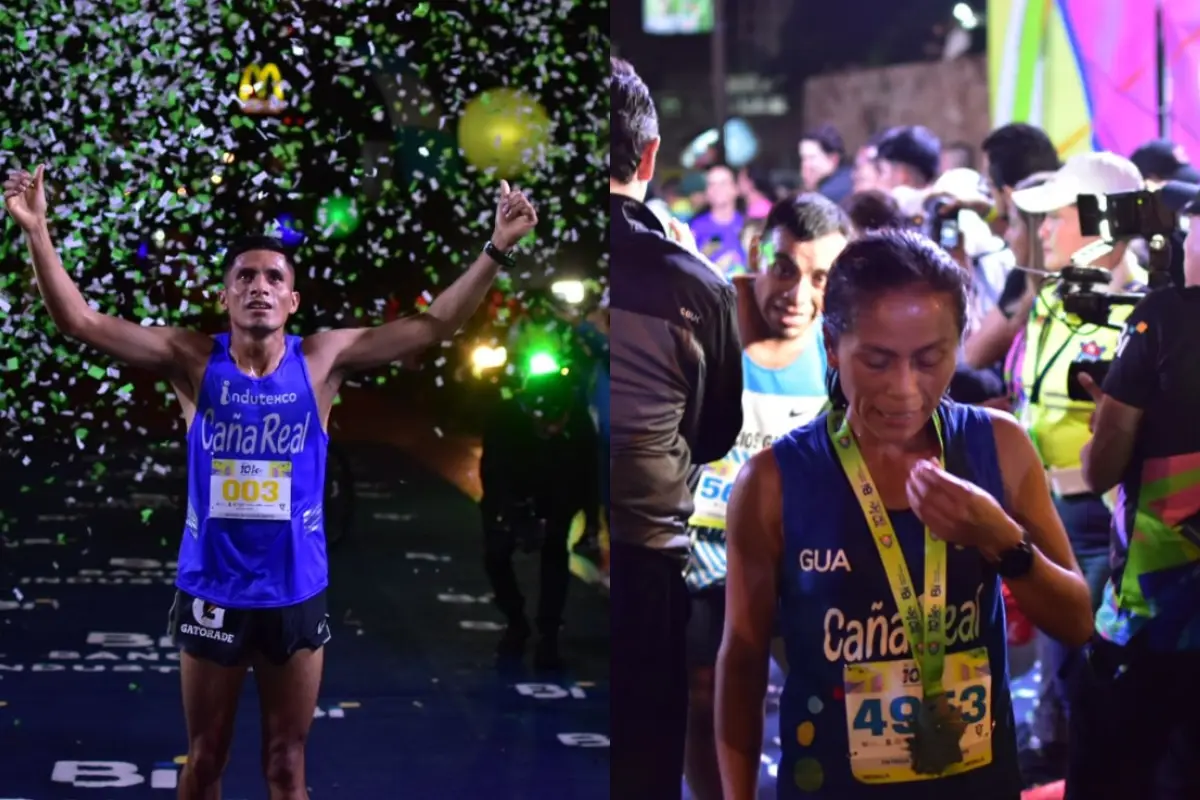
(1114, 218)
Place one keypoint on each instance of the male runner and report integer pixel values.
(783, 369)
(252, 564)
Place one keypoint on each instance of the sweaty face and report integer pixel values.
(720, 188)
(259, 291)
(897, 360)
(790, 288)
(1061, 237)
(815, 164)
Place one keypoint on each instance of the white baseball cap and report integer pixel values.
(1086, 173)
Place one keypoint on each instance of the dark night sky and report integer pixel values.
(819, 36)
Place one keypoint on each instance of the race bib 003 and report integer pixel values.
(259, 490)
(882, 699)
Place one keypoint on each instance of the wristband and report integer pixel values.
(499, 256)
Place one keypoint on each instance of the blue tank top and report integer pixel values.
(774, 402)
(254, 536)
(836, 609)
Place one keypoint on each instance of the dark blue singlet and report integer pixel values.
(836, 607)
(254, 536)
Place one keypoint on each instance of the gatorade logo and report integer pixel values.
(251, 399)
(207, 614)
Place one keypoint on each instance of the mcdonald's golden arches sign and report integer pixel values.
(262, 90)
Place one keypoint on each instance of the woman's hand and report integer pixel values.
(959, 512)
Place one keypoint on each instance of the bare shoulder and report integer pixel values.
(321, 348)
(758, 492)
(192, 349)
(1005, 426)
(1014, 449)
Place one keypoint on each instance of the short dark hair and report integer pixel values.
(1016, 151)
(914, 146)
(633, 122)
(828, 139)
(885, 261)
(873, 210)
(247, 243)
(807, 216)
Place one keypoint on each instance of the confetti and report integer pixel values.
(335, 126)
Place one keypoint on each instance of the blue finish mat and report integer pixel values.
(411, 705)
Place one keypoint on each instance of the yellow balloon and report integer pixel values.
(505, 130)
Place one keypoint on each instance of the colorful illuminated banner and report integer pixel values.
(1181, 29)
(261, 90)
(1086, 71)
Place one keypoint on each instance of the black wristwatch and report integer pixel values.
(499, 256)
(1015, 562)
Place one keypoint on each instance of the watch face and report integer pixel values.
(1016, 562)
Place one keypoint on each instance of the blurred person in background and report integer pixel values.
(675, 362)
(538, 470)
(784, 388)
(1058, 424)
(718, 229)
(593, 336)
(864, 176)
(872, 209)
(908, 159)
(1161, 160)
(750, 234)
(672, 193)
(823, 166)
(1011, 153)
(757, 192)
(995, 338)
(957, 155)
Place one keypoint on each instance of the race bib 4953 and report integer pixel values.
(882, 699)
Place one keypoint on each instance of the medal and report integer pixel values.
(938, 726)
(937, 731)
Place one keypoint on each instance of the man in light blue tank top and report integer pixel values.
(877, 535)
(783, 371)
(252, 563)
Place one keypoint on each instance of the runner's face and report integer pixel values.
(897, 360)
(791, 288)
(259, 293)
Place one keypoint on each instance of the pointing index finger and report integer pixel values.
(504, 188)
(1090, 385)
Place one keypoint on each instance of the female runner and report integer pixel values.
(881, 531)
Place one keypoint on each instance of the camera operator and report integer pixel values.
(676, 400)
(1134, 704)
(1058, 424)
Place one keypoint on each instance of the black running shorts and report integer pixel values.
(233, 636)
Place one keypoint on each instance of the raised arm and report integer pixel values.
(349, 350)
(167, 351)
